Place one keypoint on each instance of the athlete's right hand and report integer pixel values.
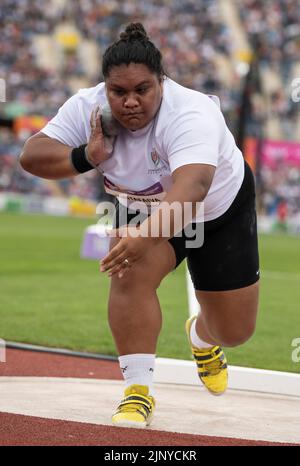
(100, 147)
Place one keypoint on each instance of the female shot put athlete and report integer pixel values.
(173, 148)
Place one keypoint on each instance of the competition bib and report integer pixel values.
(148, 197)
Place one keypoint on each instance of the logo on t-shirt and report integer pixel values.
(160, 165)
(155, 157)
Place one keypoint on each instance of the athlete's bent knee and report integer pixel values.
(232, 339)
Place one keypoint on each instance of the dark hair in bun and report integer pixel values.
(134, 46)
(134, 31)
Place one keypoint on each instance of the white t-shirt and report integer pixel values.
(188, 128)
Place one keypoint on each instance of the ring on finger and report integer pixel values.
(126, 262)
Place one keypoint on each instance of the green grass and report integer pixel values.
(49, 296)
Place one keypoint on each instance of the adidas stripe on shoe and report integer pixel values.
(211, 364)
(136, 408)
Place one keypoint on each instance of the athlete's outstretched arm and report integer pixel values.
(191, 184)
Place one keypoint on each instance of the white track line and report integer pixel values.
(177, 371)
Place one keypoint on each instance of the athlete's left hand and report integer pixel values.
(131, 248)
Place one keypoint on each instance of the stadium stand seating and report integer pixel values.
(207, 45)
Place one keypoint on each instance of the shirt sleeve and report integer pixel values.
(67, 125)
(193, 138)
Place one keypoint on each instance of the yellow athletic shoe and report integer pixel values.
(211, 364)
(136, 409)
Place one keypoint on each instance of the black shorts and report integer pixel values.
(228, 258)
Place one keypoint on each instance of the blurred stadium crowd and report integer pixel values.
(189, 33)
(273, 29)
(44, 48)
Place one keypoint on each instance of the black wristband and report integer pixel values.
(79, 160)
